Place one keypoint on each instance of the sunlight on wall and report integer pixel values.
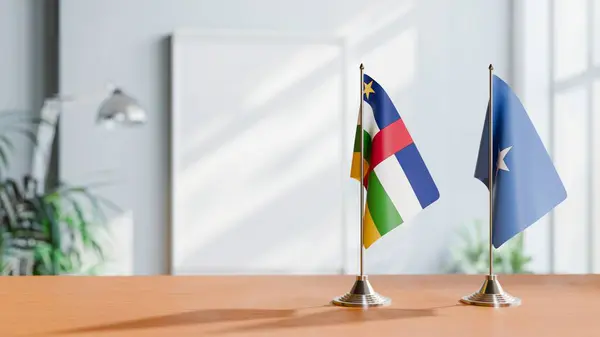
(254, 156)
(289, 72)
(570, 47)
(267, 180)
(596, 33)
(373, 17)
(571, 160)
(264, 151)
(595, 175)
(394, 63)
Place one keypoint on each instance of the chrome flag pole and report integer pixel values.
(491, 293)
(362, 293)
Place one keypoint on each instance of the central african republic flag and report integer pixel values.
(397, 181)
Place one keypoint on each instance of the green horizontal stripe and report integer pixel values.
(367, 142)
(384, 213)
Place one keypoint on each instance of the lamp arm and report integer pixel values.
(46, 133)
(110, 86)
(118, 108)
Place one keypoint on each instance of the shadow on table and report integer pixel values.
(278, 319)
(186, 318)
(336, 316)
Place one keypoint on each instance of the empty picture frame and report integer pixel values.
(258, 162)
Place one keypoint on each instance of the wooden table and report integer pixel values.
(565, 306)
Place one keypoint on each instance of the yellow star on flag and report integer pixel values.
(368, 90)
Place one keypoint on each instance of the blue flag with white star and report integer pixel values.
(526, 184)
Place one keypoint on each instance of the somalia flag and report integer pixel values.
(397, 181)
(526, 185)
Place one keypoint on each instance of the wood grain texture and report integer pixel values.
(291, 306)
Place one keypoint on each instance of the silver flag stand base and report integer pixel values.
(362, 295)
(491, 294)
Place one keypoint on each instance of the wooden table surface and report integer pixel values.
(292, 306)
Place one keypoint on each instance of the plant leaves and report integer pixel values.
(4, 158)
(43, 253)
(98, 249)
(4, 140)
(62, 218)
(472, 256)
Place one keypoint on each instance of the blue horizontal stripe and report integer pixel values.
(418, 175)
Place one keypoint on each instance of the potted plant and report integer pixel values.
(53, 232)
(471, 256)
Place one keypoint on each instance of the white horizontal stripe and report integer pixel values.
(398, 188)
(369, 119)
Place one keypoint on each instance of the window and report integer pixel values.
(557, 75)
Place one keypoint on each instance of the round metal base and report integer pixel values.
(491, 294)
(362, 295)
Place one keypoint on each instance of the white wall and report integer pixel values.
(532, 82)
(22, 61)
(432, 54)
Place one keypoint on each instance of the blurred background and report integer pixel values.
(232, 147)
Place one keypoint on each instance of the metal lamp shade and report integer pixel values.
(120, 109)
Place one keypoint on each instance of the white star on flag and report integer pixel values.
(501, 164)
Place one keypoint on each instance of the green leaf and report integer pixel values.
(97, 200)
(43, 253)
(472, 255)
(64, 217)
(4, 140)
(75, 261)
(98, 249)
(54, 233)
(57, 260)
(3, 158)
(96, 206)
(71, 223)
(29, 134)
(94, 270)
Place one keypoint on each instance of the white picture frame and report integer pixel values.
(296, 68)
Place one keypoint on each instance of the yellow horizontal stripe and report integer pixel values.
(355, 169)
(370, 231)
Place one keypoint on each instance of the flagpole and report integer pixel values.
(491, 164)
(491, 293)
(362, 174)
(362, 293)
